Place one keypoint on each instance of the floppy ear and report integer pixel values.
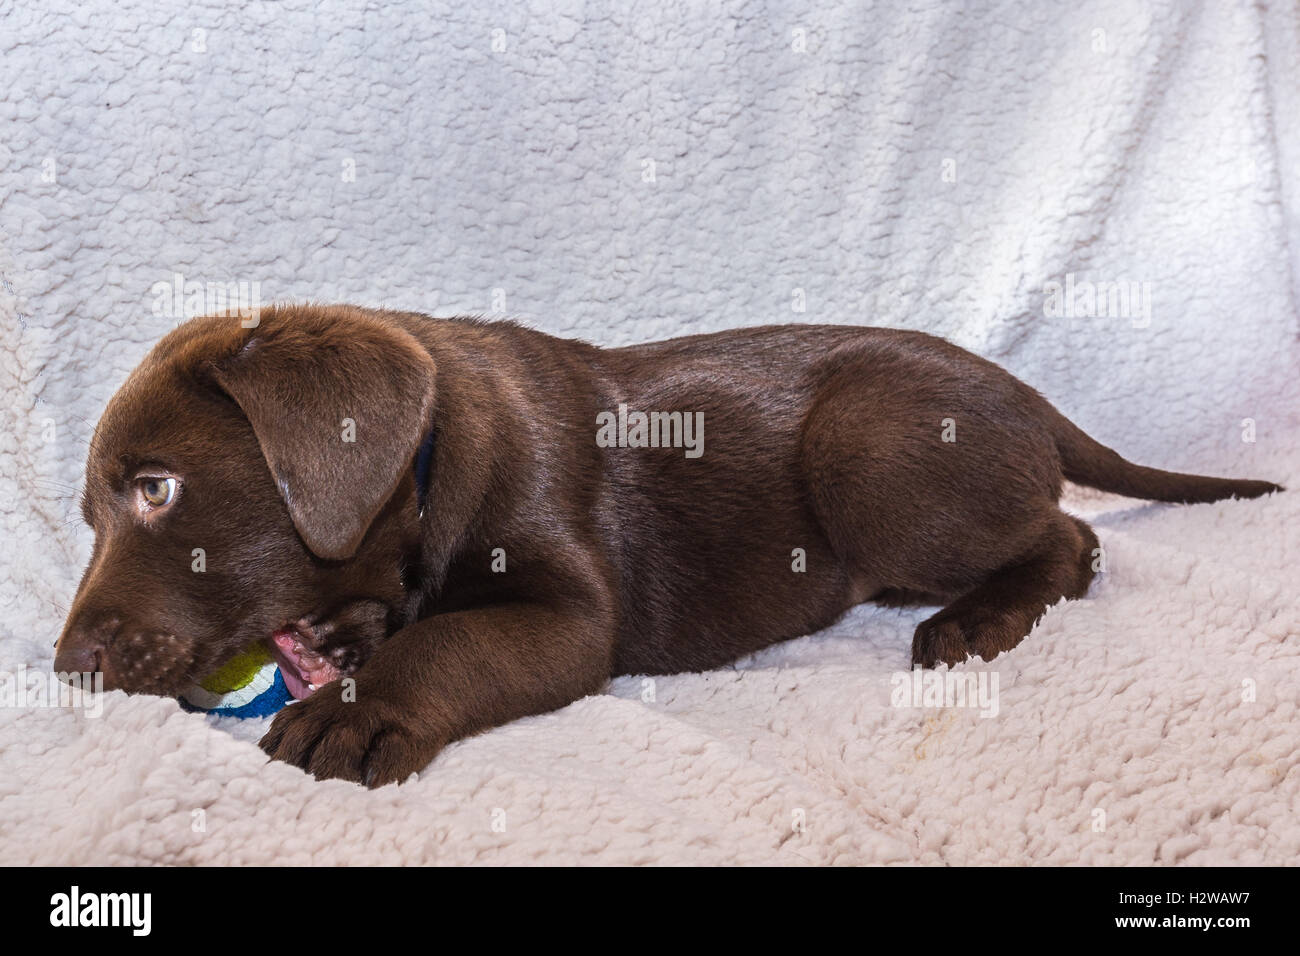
(339, 403)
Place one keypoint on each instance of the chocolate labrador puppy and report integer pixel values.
(474, 521)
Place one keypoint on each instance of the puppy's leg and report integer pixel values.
(999, 613)
(440, 679)
(933, 472)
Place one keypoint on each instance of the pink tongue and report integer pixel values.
(303, 671)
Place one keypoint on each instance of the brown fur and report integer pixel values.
(618, 560)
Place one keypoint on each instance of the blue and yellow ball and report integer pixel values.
(248, 685)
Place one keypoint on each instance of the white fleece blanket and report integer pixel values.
(680, 167)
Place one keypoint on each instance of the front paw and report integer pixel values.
(332, 735)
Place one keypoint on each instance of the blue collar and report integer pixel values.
(423, 466)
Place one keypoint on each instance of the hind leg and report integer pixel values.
(968, 514)
(998, 614)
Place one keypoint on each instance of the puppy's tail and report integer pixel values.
(1088, 462)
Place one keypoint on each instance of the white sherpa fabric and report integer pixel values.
(631, 173)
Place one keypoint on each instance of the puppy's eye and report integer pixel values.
(158, 492)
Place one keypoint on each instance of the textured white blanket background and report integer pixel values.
(914, 164)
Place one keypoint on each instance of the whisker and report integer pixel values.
(59, 491)
(94, 429)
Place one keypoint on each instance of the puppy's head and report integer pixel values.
(247, 483)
